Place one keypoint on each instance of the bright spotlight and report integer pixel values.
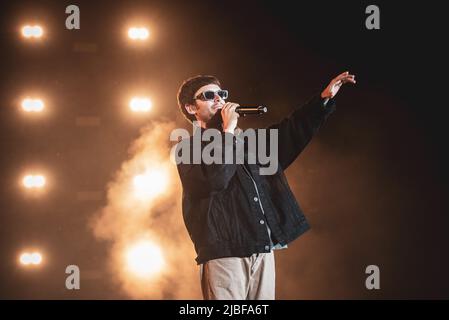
(36, 258)
(139, 104)
(138, 33)
(32, 105)
(33, 181)
(32, 31)
(27, 258)
(144, 259)
(150, 184)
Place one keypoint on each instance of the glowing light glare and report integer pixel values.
(34, 181)
(32, 105)
(25, 258)
(138, 104)
(32, 31)
(34, 258)
(138, 33)
(150, 183)
(144, 259)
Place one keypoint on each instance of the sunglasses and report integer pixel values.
(210, 95)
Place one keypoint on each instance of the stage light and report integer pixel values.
(32, 105)
(33, 181)
(25, 259)
(138, 33)
(34, 258)
(150, 184)
(144, 259)
(32, 31)
(140, 104)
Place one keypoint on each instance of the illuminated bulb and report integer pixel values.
(33, 181)
(25, 259)
(144, 259)
(32, 105)
(32, 31)
(138, 33)
(150, 184)
(34, 258)
(39, 181)
(138, 104)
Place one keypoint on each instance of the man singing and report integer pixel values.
(235, 215)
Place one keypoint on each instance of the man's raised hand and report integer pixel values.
(336, 83)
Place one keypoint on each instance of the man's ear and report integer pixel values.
(191, 108)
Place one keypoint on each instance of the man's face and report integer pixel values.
(203, 109)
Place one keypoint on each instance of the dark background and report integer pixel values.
(373, 183)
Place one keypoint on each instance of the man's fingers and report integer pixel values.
(345, 78)
(341, 75)
(344, 75)
(232, 106)
(349, 79)
(229, 107)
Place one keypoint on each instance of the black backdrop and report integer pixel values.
(373, 184)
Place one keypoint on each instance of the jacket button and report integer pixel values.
(261, 222)
(256, 199)
(267, 248)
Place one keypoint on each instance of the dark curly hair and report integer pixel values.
(188, 89)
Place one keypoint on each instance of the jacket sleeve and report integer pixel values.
(202, 179)
(297, 129)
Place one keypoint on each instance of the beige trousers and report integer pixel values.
(251, 278)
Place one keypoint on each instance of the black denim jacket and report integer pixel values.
(225, 209)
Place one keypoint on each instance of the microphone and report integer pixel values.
(251, 110)
(216, 121)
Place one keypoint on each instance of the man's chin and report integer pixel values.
(215, 121)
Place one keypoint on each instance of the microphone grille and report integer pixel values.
(263, 109)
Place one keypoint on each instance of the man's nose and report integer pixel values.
(217, 98)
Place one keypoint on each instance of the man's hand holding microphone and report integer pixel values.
(229, 116)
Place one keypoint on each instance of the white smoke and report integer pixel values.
(127, 219)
